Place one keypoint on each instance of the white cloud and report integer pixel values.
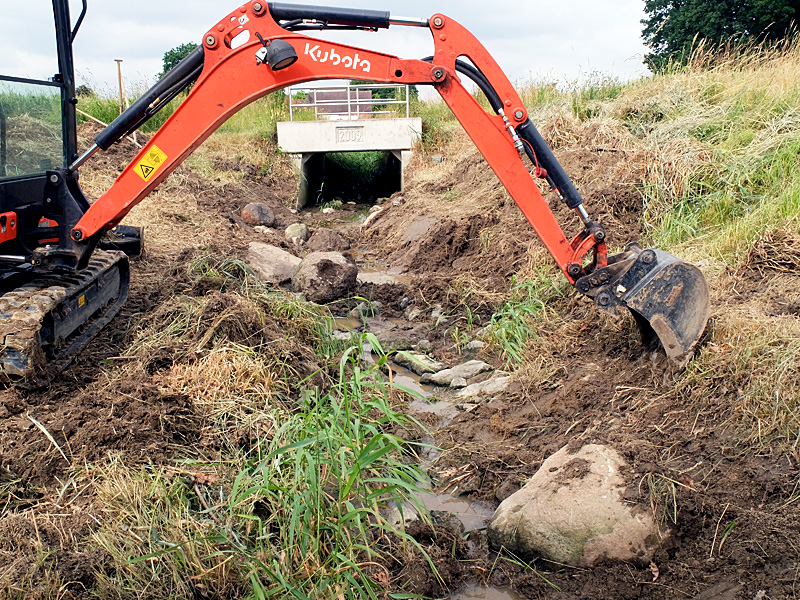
(561, 40)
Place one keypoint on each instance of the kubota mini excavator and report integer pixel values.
(63, 276)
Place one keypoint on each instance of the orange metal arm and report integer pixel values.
(232, 78)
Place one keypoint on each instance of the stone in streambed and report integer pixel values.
(270, 263)
(496, 384)
(466, 370)
(327, 240)
(258, 213)
(325, 276)
(417, 362)
(297, 230)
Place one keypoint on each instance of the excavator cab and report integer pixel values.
(50, 303)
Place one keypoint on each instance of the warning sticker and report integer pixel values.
(82, 300)
(150, 163)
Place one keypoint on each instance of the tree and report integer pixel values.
(673, 26)
(176, 55)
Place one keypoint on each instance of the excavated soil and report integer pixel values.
(459, 238)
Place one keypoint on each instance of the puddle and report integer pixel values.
(481, 592)
(473, 515)
(347, 324)
(370, 271)
(410, 380)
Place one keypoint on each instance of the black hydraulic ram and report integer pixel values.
(353, 17)
(153, 100)
(545, 158)
(3, 150)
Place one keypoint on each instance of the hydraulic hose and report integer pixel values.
(480, 80)
(536, 148)
(355, 17)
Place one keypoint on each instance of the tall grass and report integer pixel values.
(726, 134)
(302, 515)
(513, 326)
(292, 500)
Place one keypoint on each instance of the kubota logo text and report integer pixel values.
(333, 57)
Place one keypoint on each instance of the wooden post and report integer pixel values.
(123, 95)
(119, 77)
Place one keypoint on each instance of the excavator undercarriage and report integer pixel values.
(61, 280)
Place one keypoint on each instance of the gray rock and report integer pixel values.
(437, 159)
(327, 240)
(374, 214)
(271, 264)
(572, 511)
(365, 309)
(396, 344)
(466, 370)
(328, 211)
(424, 346)
(474, 346)
(495, 385)
(412, 313)
(458, 382)
(325, 277)
(405, 302)
(379, 278)
(262, 229)
(297, 230)
(436, 313)
(417, 362)
(258, 213)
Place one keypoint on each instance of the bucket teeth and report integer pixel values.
(668, 297)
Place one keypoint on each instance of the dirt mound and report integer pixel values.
(457, 220)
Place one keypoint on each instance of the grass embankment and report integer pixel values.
(284, 488)
(720, 188)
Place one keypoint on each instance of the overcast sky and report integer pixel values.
(542, 40)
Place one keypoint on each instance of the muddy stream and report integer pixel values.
(431, 399)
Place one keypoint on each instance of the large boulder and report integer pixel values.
(270, 263)
(258, 213)
(327, 240)
(325, 277)
(572, 512)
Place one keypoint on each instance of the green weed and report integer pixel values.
(511, 328)
(301, 515)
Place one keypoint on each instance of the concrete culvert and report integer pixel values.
(352, 176)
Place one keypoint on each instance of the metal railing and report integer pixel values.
(303, 98)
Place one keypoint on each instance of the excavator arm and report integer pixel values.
(258, 49)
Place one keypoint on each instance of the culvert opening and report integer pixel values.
(352, 176)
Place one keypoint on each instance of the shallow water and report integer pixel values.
(473, 515)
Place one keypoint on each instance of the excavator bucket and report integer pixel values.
(668, 297)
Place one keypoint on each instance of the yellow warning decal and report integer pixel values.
(150, 163)
(81, 300)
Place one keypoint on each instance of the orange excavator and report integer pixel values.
(63, 265)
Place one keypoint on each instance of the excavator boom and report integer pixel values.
(260, 47)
